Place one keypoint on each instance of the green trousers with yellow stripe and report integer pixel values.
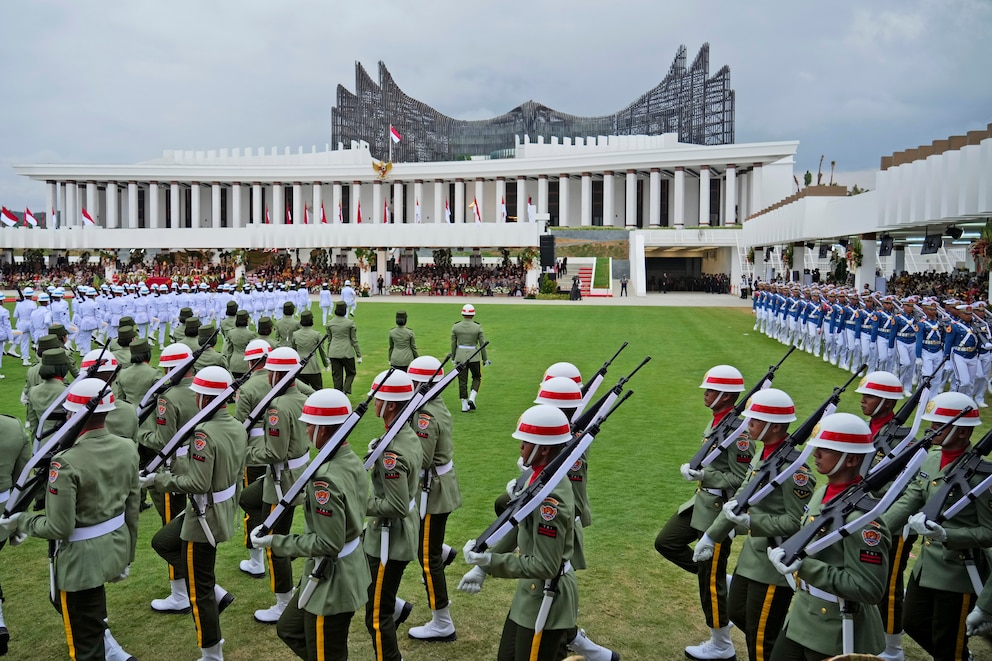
(84, 615)
(432, 528)
(314, 637)
(522, 644)
(759, 610)
(379, 608)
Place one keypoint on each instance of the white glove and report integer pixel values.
(919, 524)
(372, 445)
(17, 538)
(689, 474)
(978, 622)
(258, 540)
(147, 481)
(520, 464)
(24, 399)
(10, 522)
(487, 363)
(124, 574)
(473, 558)
(743, 519)
(359, 360)
(511, 488)
(472, 581)
(776, 555)
(704, 549)
(919, 362)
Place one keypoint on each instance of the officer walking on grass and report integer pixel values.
(343, 350)
(466, 338)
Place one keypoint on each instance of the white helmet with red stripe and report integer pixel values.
(326, 407)
(174, 354)
(82, 391)
(282, 359)
(107, 361)
(257, 349)
(946, 405)
(843, 432)
(568, 370)
(397, 388)
(560, 392)
(423, 368)
(543, 425)
(211, 380)
(770, 405)
(881, 384)
(723, 378)
(468, 310)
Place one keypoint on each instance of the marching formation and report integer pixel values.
(78, 474)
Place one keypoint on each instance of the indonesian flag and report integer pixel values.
(323, 216)
(385, 212)
(531, 210)
(267, 219)
(87, 219)
(359, 212)
(340, 214)
(478, 213)
(416, 211)
(289, 216)
(52, 220)
(502, 209)
(306, 215)
(7, 216)
(394, 134)
(447, 212)
(29, 218)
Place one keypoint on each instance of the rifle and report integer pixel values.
(730, 427)
(172, 378)
(19, 292)
(91, 371)
(589, 415)
(831, 521)
(957, 477)
(589, 388)
(772, 474)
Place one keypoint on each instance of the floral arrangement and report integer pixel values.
(787, 257)
(855, 255)
(981, 249)
(750, 255)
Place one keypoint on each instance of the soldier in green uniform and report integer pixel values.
(123, 419)
(538, 552)
(283, 447)
(343, 350)
(210, 356)
(466, 337)
(759, 596)
(941, 587)
(32, 378)
(229, 321)
(54, 367)
(91, 512)
(235, 343)
(112, 344)
(179, 330)
(716, 483)
(305, 340)
(15, 451)
(335, 513)
(141, 376)
(60, 332)
(211, 475)
(191, 333)
(402, 343)
(286, 326)
(264, 328)
(120, 345)
(847, 577)
(391, 534)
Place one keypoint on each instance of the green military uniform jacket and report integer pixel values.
(121, 354)
(250, 394)
(283, 441)
(466, 337)
(175, 407)
(226, 325)
(90, 483)
(234, 348)
(394, 496)
(334, 510)
(721, 478)
(854, 569)
(344, 338)
(15, 452)
(545, 541)
(33, 377)
(209, 357)
(432, 424)
(402, 347)
(305, 340)
(285, 328)
(136, 381)
(213, 464)
(40, 398)
(123, 420)
(192, 342)
(942, 565)
(775, 518)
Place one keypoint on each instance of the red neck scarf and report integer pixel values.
(877, 423)
(537, 469)
(836, 489)
(720, 415)
(769, 448)
(947, 457)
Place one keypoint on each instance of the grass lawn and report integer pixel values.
(601, 275)
(630, 598)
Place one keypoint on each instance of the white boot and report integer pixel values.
(212, 653)
(719, 646)
(112, 650)
(176, 603)
(223, 597)
(271, 615)
(440, 629)
(893, 648)
(448, 554)
(401, 611)
(589, 650)
(471, 399)
(465, 408)
(255, 565)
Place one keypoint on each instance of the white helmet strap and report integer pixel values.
(839, 464)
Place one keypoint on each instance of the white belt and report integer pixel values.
(715, 492)
(413, 503)
(226, 494)
(98, 530)
(817, 592)
(349, 548)
(466, 346)
(4, 496)
(299, 462)
(442, 469)
(255, 431)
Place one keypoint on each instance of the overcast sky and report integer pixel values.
(118, 82)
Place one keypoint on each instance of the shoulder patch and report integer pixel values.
(743, 445)
(800, 478)
(273, 415)
(321, 493)
(549, 509)
(871, 536)
(577, 466)
(53, 471)
(423, 421)
(389, 460)
(199, 441)
(161, 406)
(870, 557)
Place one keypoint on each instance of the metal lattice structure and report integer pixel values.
(688, 101)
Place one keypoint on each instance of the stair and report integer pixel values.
(585, 280)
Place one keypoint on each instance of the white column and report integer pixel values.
(278, 211)
(398, 203)
(745, 197)
(418, 198)
(113, 205)
(631, 201)
(522, 200)
(72, 217)
(376, 215)
(585, 212)
(318, 201)
(153, 205)
(297, 203)
(477, 198)
(609, 194)
(542, 193)
(161, 206)
(91, 202)
(132, 205)
(215, 204)
(62, 203)
(336, 197)
(236, 219)
(257, 212)
(194, 204)
(49, 202)
(730, 196)
(563, 199)
(459, 210)
(175, 204)
(501, 199)
(756, 188)
(654, 201)
(439, 200)
(869, 261)
(356, 198)
(704, 195)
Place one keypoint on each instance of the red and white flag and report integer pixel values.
(8, 217)
(416, 211)
(531, 210)
(306, 215)
(87, 219)
(359, 212)
(52, 220)
(340, 214)
(502, 210)
(478, 213)
(394, 134)
(385, 212)
(267, 219)
(29, 218)
(289, 216)
(447, 212)
(323, 216)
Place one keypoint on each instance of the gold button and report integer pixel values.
(934, 483)
(823, 611)
(532, 586)
(926, 543)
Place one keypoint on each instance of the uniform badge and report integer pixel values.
(577, 466)
(161, 406)
(321, 492)
(53, 471)
(423, 422)
(931, 406)
(273, 417)
(871, 537)
(199, 441)
(388, 461)
(549, 509)
(800, 478)
(743, 445)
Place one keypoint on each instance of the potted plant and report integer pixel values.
(787, 257)
(854, 253)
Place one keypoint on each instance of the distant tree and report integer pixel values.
(856, 190)
(808, 178)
